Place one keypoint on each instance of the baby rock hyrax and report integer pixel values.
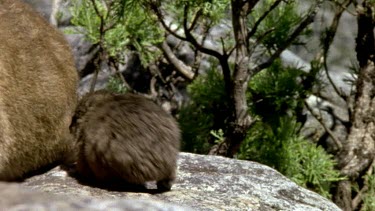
(125, 137)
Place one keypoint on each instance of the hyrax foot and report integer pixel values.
(164, 185)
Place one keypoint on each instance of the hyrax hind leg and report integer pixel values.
(165, 185)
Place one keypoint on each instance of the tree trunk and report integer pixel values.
(344, 195)
(240, 120)
(359, 150)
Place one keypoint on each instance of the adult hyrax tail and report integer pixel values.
(38, 84)
(126, 138)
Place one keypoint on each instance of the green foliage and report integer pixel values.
(313, 167)
(115, 85)
(219, 135)
(283, 149)
(210, 13)
(83, 14)
(278, 25)
(211, 10)
(58, 16)
(277, 89)
(369, 196)
(125, 24)
(205, 112)
(144, 34)
(276, 97)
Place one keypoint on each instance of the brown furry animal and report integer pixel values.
(38, 83)
(126, 138)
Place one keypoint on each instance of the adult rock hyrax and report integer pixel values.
(38, 83)
(125, 137)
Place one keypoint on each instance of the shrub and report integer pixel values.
(205, 112)
(285, 150)
(116, 85)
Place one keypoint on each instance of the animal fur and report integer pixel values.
(38, 83)
(126, 137)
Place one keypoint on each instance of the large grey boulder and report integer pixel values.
(16, 198)
(203, 183)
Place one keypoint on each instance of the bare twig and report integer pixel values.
(101, 48)
(102, 31)
(97, 11)
(190, 38)
(307, 20)
(223, 46)
(257, 23)
(359, 197)
(195, 19)
(223, 58)
(95, 76)
(197, 53)
(261, 38)
(321, 121)
(178, 64)
(112, 63)
(250, 5)
(153, 91)
(344, 6)
(160, 16)
(330, 34)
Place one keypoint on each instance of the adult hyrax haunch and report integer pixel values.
(126, 138)
(38, 83)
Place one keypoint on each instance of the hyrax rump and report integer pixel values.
(38, 83)
(126, 138)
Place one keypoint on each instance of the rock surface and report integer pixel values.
(203, 183)
(19, 199)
